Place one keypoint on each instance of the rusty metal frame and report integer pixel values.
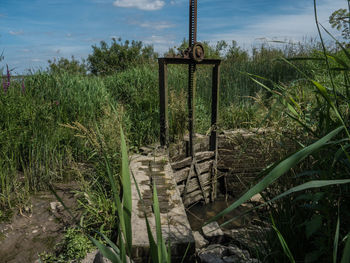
(163, 95)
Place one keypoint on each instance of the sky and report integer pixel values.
(34, 31)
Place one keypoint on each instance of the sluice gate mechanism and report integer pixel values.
(193, 56)
(181, 181)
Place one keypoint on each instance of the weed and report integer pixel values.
(74, 246)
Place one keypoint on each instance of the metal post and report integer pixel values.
(214, 106)
(163, 100)
(191, 104)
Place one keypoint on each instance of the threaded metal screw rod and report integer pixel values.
(192, 74)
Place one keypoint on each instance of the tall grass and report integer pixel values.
(310, 188)
(34, 148)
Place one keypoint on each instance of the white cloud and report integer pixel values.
(16, 33)
(156, 25)
(177, 2)
(36, 60)
(148, 5)
(161, 43)
(293, 26)
(68, 50)
(158, 40)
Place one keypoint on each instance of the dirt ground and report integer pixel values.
(39, 229)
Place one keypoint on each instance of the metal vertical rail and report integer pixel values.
(213, 144)
(214, 107)
(191, 104)
(163, 101)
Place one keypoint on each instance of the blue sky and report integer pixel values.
(33, 31)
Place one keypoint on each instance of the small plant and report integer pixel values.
(73, 248)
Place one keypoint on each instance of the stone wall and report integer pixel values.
(242, 155)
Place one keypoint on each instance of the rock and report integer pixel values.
(95, 257)
(247, 205)
(231, 259)
(239, 253)
(213, 232)
(213, 254)
(101, 259)
(55, 206)
(90, 257)
(257, 199)
(199, 240)
(210, 258)
(249, 237)
(216, 249)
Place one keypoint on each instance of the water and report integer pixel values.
(200, 213)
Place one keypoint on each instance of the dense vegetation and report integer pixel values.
(63, 124)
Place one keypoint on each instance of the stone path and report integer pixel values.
(150, 169)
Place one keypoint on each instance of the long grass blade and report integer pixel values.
(283, 242)
(162, 253)
(299, 188)
(106, 252)
(278, 171)
(109, 242)
(336, 238)
(127, 202)
(346, 252)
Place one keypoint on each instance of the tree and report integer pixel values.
(119, 56)
(234, 52)
(209, 51)
(65, 65)
(340, 19)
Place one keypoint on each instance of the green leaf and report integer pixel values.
(283, 242)
(308, 185)
(336, 238)
(305, 58)
(184, 256)
(106, 252)
(109, 242)
(127, 195)
(339, 61)
(346, 252)
(162, 253)
(278, 171)
(337, 41)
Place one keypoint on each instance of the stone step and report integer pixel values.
(175, 226)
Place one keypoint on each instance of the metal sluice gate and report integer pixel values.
(192, 56)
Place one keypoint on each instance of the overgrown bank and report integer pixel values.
(61, 126)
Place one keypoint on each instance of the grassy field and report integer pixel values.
(61, 127)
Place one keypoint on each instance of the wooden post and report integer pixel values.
(163, 101)
(214, 106)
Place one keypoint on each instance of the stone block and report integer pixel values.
(200, 240)
(213, 232)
